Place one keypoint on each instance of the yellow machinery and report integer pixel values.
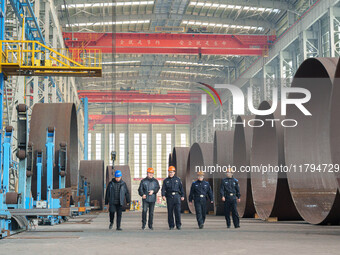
(32, 58)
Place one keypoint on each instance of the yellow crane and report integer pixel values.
(32, 58)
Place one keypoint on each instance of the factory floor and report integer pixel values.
(89, 234)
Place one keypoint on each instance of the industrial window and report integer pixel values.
(136, 155)
(111, 145)
(89, 144)
(183, 140)
(121, 155)
(159, 155)
(144, 154)
(168, 146)
(98, 146)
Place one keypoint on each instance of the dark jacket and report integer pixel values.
(145, 186)
(124, 193)
(171, 185)
(230, 188)
(200, 190)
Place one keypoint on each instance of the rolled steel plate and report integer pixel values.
(243, 136)
(223, 157)
(125, 169)
(200, 155)
(270, 190)
(93, 170)
(335, 122)
(12, 198)
(170, 163)
(63, 117)
(315, 194)
(180, 161)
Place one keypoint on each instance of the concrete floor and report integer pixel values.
(89, 234)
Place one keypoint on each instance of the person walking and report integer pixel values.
(116, 195)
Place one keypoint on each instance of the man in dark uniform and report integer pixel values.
(116, 194)
(199, 192)
(148, 189)
(173, 192)
(230, 193)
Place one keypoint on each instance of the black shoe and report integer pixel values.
(237, 226)
(228, 226)
(143, 227)
(179, 228)
(201, 226)
(119, 229)
(111, 224)
(171, 228)
(151, 228)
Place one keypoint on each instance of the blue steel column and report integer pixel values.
(2, 78)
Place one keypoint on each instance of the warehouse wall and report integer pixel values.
(139, 153)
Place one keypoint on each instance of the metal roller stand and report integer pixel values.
(64, 118)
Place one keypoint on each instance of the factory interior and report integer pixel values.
(204, 126)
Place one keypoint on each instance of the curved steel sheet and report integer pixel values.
(63, 117)
(200, 154)
(335, 122)
(93, 170)
(223, 157)
(179, 161)
(170, 162)
(243, 136)
(270, 190)
(125, 169)
(315, 193)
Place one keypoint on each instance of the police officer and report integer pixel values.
(230, 193)
(173, 192)
(199, 192)
(148, 189)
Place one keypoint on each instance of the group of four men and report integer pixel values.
(173, 193)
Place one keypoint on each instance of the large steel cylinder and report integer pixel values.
(179, 161)
(223, 158)
(170, 160)
(93, 170)
(200, 157)
(335, 122)
(63, 117)
(308, 145)
(270, 189)
(243, 136)
(125, 169)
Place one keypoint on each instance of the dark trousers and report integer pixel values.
(201, 210)
(118, 209)
(230, 206)
(151, 207)
(174, 206)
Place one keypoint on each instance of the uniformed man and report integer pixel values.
(199, 192)
(148, 189)
(230, 193)
(173, 192)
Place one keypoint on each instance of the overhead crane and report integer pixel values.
(168, 43)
